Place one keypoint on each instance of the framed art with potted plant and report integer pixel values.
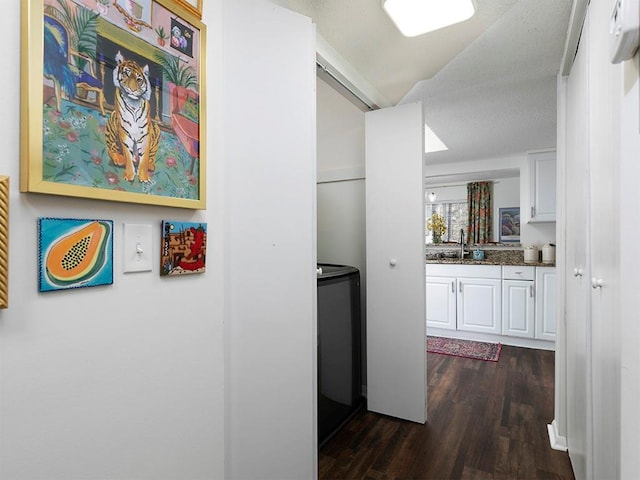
(113, 107)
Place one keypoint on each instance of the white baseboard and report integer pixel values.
(487, 337)
(557, 442)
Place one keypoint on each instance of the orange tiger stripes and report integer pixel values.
(130, 134)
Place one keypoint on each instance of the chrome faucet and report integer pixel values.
(462, 251)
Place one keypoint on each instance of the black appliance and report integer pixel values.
(339, 348)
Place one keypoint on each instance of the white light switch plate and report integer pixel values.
(137, 248)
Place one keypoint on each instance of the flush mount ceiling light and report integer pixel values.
(415, 17)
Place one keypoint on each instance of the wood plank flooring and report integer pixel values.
(486, 420)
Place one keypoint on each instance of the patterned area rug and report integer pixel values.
(464, 348)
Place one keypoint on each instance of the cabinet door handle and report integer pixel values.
(531, 291)
(597, 283)
(577, 272)
(533, 212)
(453, 287)
(460, 287)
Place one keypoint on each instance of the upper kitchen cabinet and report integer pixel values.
(541, 172)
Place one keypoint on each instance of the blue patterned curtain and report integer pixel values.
(480, 208)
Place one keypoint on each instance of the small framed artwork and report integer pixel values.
(74, 253)
(113, 104)
(509, 223)
(4, 241)
(181, 38)
(184, 248)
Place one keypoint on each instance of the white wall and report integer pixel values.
(122, 381)
(340, 136)
(270, 152)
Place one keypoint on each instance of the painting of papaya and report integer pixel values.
(74, 253)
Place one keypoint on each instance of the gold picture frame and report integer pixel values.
(194, 6)
(133, 136)
(4, 241)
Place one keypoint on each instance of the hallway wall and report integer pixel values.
(123, 381)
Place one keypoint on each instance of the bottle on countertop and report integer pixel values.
(531, 254)
(549, 253)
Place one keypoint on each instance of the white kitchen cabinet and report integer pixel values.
(478, 305)
(464, 297)
(518, 301)
(541, 171)
(441, 302)
(518, 308)
(545, 303)
(514, 304)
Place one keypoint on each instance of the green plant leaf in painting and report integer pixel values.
(176, 72)
(81, 24)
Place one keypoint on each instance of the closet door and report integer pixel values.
(576, 267)
(604, 94)
(396, 326)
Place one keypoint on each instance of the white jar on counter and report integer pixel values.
(531, 254)
(549, 253)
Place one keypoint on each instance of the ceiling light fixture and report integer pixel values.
(415, 17)
(432, 197)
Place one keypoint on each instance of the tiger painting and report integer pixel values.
(130, 134)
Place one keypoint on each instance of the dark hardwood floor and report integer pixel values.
(486, 420)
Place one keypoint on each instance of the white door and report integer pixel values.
(518, 308)
(478, 305)
(605, 85)
(441, 302)
(576, 266)
(396, 327)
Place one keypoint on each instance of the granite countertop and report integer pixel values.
(491, 257)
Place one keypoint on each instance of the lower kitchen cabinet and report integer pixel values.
(545, 303)
(464, 297)
(441, 302)
(479, 305)
(518, 308)
(509, 301)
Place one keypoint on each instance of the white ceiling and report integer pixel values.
(488, 85)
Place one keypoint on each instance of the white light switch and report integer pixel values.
(137, 248)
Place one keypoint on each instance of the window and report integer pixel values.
(456, 217)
